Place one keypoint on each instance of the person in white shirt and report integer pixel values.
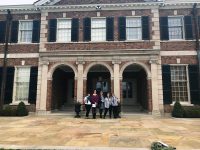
(108, 106)
(88, 105)
(115, 106)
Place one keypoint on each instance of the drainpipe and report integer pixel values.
(196, 28)
(4, 73)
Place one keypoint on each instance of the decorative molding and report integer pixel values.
(21, 55)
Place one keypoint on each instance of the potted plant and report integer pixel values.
(77, 109)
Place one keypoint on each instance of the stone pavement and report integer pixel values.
(128, 133)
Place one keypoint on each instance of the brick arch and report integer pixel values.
(98, 63)
(144, 66)
(57, 65)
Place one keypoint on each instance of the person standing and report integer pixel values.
(88, 104)
(115, 106)
(94, 101)
(101, 104)
(108, 106)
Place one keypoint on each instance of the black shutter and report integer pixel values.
(164, 32)
(110, 29)
(188, 28)
(166, 78)
(87, 29)
(75, 30)
(194, 87)
(33, 85)
(36, 31)
(199, 23)
(52, 28)
(14, 32)
(2, 31)
(9, 85)
(122, 28)
(1, 73)
(145, 28)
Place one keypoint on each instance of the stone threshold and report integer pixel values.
(67, 148)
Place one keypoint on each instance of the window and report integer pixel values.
(64, 30)
(175, 25)
(22, 79)
(179, 83)
(127, 89)
(25, 31)
(98, 29)
(133, 28)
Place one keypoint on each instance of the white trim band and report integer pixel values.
(178, 53)
(21, 55)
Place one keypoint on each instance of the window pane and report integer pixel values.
(98, 23)
(134, 33)
(133, 22)
(174, 21)
(22, 84)
(64, 23)
(175, 33)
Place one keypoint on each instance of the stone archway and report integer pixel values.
(135, 85)
(103, 75)
(62, 85)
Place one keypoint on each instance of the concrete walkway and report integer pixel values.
(134, 132)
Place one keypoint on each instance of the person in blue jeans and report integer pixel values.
(108, 106)
(114, 104)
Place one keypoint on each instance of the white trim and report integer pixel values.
(178, 53)
(21, 55)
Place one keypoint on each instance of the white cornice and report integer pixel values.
(92, 7)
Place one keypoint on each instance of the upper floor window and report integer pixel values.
(175, 25)
(98, 29)
(133, 28)
(176, 28)
(64, 30)
(25, 31)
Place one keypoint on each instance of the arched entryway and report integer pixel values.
(134, 89)
(99, 78)
(63, 89)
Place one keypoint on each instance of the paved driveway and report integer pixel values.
(136, 131)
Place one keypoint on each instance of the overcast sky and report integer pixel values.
(16, 2)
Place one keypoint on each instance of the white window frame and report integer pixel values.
(93, 18)
(67, 28)
(183, 27)
(139, 17)
(188, 103)
(19, 31)
(14, 100)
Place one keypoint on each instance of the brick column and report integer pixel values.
(149, 95)
(80, 81)
(155, 98)
(85, 87)
(49, 94)
(75, 89)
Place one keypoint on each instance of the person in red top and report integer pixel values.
(94, 101)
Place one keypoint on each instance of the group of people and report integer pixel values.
(105, 104)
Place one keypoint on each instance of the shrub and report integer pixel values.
(178, 110)
(21, 109)
(8, 111)
(192, 112)
(160, 146)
